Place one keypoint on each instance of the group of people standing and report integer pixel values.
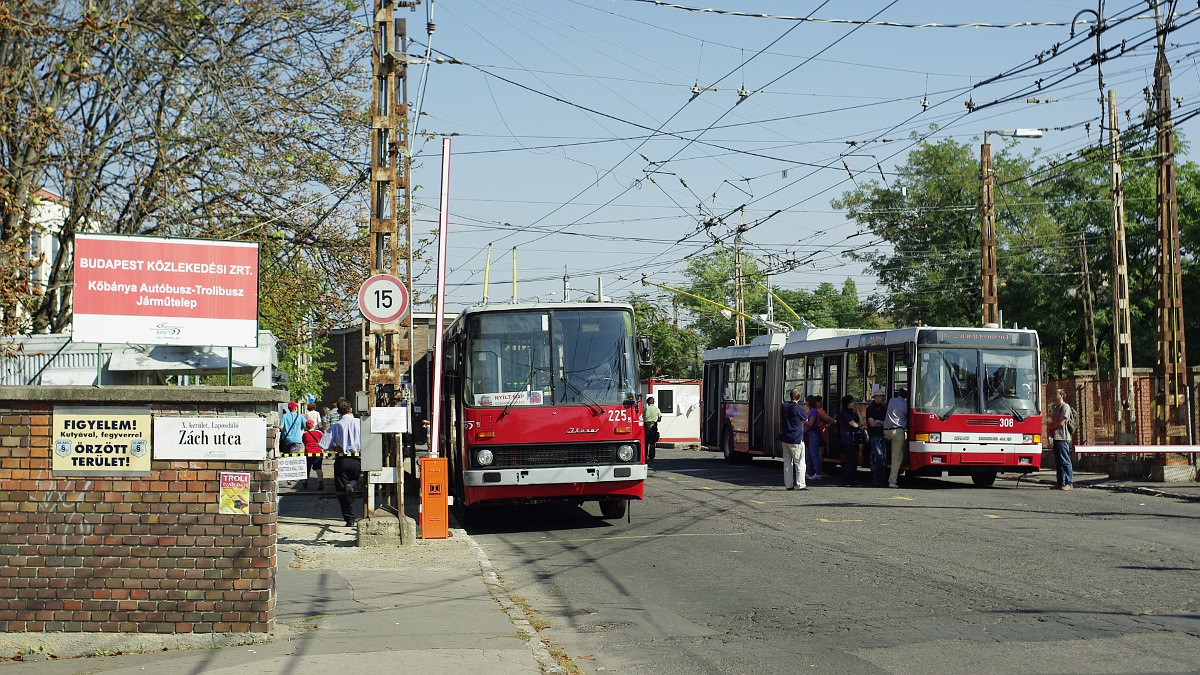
(804, 423)
(313, 434)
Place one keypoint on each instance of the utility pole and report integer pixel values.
(387, 348)
(991, 309)
(1088, 313)
(1170, 358)
(1122, 371)
(738, 299)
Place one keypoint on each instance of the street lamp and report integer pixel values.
(991, 310)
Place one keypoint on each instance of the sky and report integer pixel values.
(611, 139)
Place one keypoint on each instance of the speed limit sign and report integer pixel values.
(383, 299)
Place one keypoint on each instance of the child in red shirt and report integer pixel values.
(312, 455)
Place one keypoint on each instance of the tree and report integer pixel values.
(676, 350)
(208, 119)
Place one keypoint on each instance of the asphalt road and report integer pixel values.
(720, 570)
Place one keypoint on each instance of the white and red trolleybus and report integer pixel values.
(974, 393)
(540, 403)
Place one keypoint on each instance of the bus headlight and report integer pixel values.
(625, 453)
(1027, 439)
(484, 457)
(935, 437)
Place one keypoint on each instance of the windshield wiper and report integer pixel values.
(1016, 415)
(954, 407)
(511, 401)
(593, 406)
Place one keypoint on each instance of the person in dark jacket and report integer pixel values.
(791, 435)
(849, 423)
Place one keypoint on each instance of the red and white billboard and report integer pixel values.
(151, 290)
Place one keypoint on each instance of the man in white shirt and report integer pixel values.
(895, 429)
(345, 439)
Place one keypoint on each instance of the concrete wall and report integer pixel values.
(132, 554)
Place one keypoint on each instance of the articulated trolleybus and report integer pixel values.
(540, 403)
(974, 393)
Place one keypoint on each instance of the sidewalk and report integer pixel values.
(1189, 491)
(435, 607)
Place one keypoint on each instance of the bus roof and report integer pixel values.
(537, 305)
(758, 348)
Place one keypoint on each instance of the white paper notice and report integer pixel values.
(389, 420)
(292, 468)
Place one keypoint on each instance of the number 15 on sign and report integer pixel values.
(383, 299)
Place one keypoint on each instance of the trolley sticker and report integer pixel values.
(235, 493)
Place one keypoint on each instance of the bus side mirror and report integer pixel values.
(645, 350)
(910, 354)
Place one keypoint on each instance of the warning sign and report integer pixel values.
(101, 441)
(235, 493)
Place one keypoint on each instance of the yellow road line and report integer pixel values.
(634, 536)
(826, 520)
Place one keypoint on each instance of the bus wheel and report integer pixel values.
(612, 509)
(727, 447)
(985, 479)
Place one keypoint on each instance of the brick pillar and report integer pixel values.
(134, 554)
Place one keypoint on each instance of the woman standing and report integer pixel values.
(812, 437)
(849, 424)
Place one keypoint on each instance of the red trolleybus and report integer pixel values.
(540, 402)
(974, 393)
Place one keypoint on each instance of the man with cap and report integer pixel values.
(876, 412)
(291, 425)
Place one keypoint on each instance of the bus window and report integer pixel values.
(948, 381)
(741, 383)
(793, 376)
(815, 365)
(899, 373)
(1009, 382)
(730, 378)
(877, 369)
(856, 376)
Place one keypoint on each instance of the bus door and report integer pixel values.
(710, 404)
(758, 377)
(833, 401)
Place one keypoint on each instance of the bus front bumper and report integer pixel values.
(554, 475)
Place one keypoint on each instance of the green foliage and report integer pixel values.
(306, 372)
(1047, 213)
(676, 350)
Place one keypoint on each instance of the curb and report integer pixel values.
(516, 615)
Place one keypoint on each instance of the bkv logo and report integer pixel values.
(162, 330)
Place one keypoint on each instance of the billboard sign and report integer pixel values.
(157, 291)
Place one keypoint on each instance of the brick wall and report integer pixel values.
(132, 554)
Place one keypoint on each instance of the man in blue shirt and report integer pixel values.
(791, 435)
(291, 425)
(345, 439)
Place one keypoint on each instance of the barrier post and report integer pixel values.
(434, 499)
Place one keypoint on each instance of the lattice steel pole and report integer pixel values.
(387, 348)
(1170, 358)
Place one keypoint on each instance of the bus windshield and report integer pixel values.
(550, 357)
(957, 380)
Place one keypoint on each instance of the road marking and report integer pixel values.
(907, 499)
(988, 515)
(772, 501)
(635, 536)
(826, 520)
